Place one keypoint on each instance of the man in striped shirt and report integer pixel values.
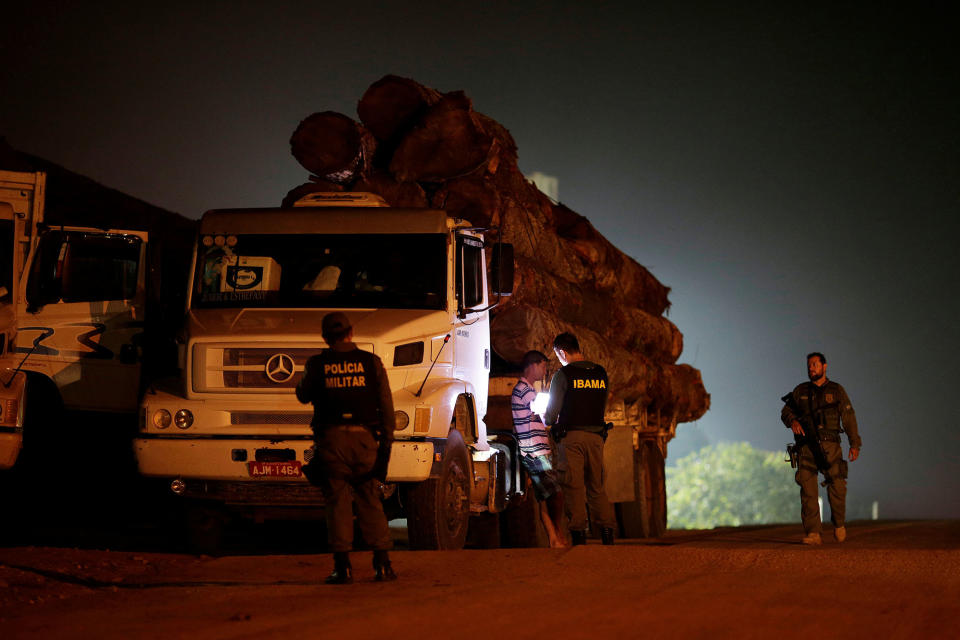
(536, 447)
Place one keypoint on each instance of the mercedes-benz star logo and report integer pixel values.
(280, 368)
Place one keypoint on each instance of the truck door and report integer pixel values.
(83, 315)
(472, 329)
(8, 247)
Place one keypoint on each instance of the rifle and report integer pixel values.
(810, 438)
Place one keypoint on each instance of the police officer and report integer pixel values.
(351, 401)
(578, 396)
(825, 403)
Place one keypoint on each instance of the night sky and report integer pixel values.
(793, 174)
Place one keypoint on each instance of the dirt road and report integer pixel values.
(889, 580)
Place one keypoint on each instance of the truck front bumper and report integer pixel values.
(229, 459)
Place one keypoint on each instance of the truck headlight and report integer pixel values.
(402, 420)
(162, 419)
(183, 419)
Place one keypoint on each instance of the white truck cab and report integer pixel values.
(72, 306)
(413, 283)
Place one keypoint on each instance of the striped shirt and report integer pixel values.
(531, 434)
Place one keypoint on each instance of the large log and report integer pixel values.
(634, 378)
(449, 141)
(627, 327)
(397, 194)
(332, 146)
(527, 218)
(392, 105)
(613, 271)
(472, 198)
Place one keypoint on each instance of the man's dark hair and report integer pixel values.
(817, 354)
(567, 342)
(531, 358)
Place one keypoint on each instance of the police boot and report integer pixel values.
(606, 535)
(578, 537)
(381, 566)
(811, 538)
(342, 571)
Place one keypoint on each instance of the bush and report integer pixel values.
(731, 484)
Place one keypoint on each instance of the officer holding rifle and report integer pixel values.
(817, 412)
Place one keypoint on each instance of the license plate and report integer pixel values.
(289, 469)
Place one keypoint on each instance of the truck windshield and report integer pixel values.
(395, 271)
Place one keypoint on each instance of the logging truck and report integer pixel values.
(229, 435)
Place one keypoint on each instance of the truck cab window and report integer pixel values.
(348, 271)
(470, 272)
(84, 267)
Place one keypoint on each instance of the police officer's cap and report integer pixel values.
(335, 324)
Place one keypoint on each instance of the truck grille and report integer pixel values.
(250, 417)
(256, 369)
(275, 369)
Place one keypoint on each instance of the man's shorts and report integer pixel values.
(543, 476)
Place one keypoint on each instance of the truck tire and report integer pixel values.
(438, 509)
(653, 490)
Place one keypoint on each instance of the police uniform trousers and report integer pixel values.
(346, 456)
(582, 480)
(808, 480)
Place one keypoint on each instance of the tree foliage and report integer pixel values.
(731, 484)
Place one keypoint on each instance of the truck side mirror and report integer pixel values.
(501, 269)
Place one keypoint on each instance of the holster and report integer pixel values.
(558, 432)
(311, 470)
(793, 455)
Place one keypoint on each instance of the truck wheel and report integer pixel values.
(438, 509)
(653, 491)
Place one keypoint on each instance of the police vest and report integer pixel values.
(585, 398)
(822, 404)
(348, 391)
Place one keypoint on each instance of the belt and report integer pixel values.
(829, 437)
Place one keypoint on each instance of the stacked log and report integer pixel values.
(418, 147)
